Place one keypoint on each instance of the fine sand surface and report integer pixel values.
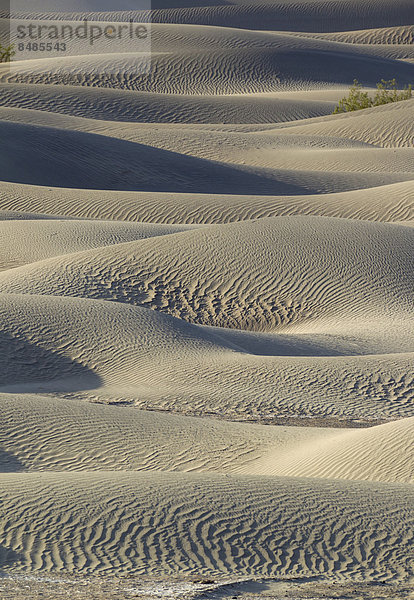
(207, 308)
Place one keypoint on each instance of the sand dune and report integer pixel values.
(297, 16)
(45, 434)
(223, 71)
(93, 162)
(330, 332)
(96, 160)
(386, 35)
(41, 433)
(382, 453)
(61, 342)
(385, 203)
(110, 104)
(54, 237)
(305, 15)
(291, 159)
(211, 525)
(206, 303)
(388, 126)
(260, 275)
(114, 353)
(13, 215)
(211, 61)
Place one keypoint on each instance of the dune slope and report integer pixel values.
(201, 524)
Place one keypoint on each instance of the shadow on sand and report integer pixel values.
(28, 367)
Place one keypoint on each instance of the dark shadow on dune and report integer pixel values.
(338, 65)
(280, 15)
(61, 158)
(10, 463)
(169, 4)
(114, 105)
(25, 366)
(282, 344)
(312, 17)
(8, 557)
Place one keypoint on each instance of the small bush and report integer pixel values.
(356, 100)
(6, 52)
(386, 92)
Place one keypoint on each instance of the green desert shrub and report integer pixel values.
(386, 92)
(6, 52)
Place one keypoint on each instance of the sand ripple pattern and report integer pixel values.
(257, 278)
(102, 522)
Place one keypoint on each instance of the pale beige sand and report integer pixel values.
(41, 433)
(206, 306)
(384, 35)
(215, 60)
(53, 237)
(388, 126)
(382, 453)
(112, 352)
(394, 202)
(109, 104)
(211, 524)
(262, 275)
(97, 160)
(303, 15)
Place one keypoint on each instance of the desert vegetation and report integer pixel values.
(387, 91)
(6, 52)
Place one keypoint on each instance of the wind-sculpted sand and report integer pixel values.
(206, 308)
(292, 527)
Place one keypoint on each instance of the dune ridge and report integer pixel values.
(114, 353)
(40, 433)
(381, 453)
(158, 274)
(384, 203)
